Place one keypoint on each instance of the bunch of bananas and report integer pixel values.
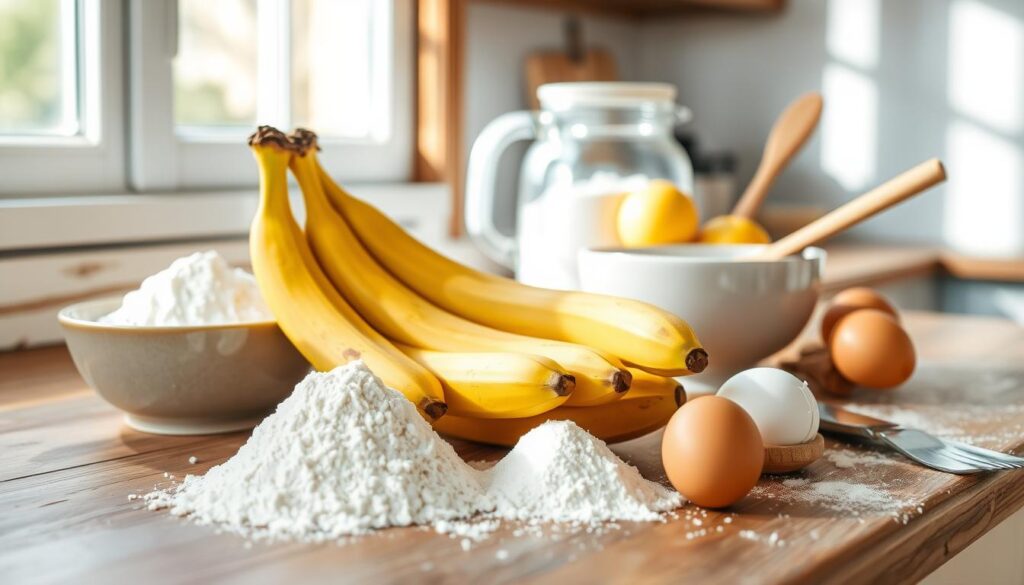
(483, 357)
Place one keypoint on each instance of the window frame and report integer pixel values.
(161, 160)
(94, 159)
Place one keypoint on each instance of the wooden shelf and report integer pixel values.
(645, 8)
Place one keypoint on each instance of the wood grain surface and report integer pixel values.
(68, 465)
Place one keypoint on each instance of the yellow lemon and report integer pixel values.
(657, 214)
(733, 229)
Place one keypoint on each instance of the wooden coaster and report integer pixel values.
(790, 458)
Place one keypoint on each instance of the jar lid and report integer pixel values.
(564, 96)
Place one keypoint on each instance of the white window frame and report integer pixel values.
(94, 159)
(161, 160)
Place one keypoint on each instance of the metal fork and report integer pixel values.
(934, 452)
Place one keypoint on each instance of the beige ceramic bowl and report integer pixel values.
(183, 380)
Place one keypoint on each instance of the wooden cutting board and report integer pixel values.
(554, 66)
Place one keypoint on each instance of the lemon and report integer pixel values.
(733, 229)
(657, 214)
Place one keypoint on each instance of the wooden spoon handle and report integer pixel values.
(908, 184)
(791, 130)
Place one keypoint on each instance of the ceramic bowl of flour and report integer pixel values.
(183, 380)
(743, 310)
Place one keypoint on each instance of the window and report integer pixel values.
(39, 83)
(201, 84)
(198, 76)
(54, 59)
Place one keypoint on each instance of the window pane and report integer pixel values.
(38, 72)
(215, 68)
(331, 73)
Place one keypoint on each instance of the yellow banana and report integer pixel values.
(496, 385)
(638, 333)
(315, 318)
(403, 316)
(648, 384)
(645, 408)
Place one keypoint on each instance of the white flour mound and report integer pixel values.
(343, 455)
(560, 472)
(199, 289)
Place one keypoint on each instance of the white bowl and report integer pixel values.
(742, 310)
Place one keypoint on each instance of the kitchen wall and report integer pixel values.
(903, 81)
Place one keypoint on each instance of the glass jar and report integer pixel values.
(593, 143)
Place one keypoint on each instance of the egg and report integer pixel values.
(781, 404)
(850, 300)
(712, 451)
(870, 348)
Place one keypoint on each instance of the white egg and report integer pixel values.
(781, 404)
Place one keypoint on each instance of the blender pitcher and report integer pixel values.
(594, 143)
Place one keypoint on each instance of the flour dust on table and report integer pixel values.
(344, 455)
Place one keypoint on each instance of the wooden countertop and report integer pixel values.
(856, 264)
(67, 466)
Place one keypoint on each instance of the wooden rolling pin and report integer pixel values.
(910, 183)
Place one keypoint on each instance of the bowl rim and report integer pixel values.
(650, 254)
(65, 318)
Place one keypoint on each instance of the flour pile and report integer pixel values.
(560, 472)
(199, 289)
(342, 455)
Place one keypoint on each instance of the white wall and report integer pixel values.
(903, 81)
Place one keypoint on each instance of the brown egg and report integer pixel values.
(850, 300)
(712, 451)
(870, 348)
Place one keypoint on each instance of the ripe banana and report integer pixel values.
(403, 316)
(639, 333)
(644, 409)
(324, 328)
(496, 385)
(648, 384)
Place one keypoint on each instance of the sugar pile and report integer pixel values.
(199, 289)
(342, 455)
(560, 472)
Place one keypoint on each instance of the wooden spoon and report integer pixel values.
(791, 130)
(906, 185)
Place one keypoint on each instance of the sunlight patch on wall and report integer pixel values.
(849, 145)
(984, 211)
(986, 65)
(851, 33)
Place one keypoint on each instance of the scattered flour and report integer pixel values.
(199, 289)
(958, 422)
(560, 472)
(840, 496)
(342, 455)
(849, 458)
